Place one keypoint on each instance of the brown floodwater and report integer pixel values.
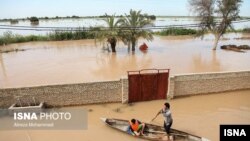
(200, 115)
(43, 63)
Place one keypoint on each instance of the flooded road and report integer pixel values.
(43, 63)
(200, 115)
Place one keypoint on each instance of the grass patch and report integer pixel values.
(184, 31)
(246, 30)
(8, 37)
(176, 31)
(70, 35)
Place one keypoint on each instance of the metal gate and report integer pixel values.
(148, 84)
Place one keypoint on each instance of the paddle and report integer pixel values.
(155, 116)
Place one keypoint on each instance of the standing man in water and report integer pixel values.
(168, 120)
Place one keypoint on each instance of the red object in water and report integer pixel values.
(143, 47)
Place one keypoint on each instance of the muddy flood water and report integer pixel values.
(200, 115)
(43, 63)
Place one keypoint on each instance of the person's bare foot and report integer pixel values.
(165, 138)
(171, 138)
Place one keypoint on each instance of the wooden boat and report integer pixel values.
(152, 132)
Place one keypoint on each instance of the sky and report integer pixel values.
(52, 8)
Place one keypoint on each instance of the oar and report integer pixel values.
(155, 116)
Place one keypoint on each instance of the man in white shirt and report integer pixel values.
(168, 120)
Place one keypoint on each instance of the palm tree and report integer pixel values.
(124, 35)
(133, 25)
(109, 34)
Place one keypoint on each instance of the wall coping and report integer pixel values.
(209, 75)
(56, 85)
(200, 73)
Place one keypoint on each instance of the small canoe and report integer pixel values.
(152, 132)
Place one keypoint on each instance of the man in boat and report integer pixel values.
(168, 120)
(136, 127)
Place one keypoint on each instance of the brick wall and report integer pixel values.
(205, 83)
(64, 95)
(117, 91)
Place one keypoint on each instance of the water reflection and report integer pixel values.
(2, 64)
(3, 70)
(113, 66)
(203, 64)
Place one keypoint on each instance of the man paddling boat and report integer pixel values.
(168, 120)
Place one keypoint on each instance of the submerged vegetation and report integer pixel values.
(152, 17)
(176, 31)
(111, 34)
(134, 22)
(185, 31)
(13, 21)
(9, 37)
(71, 35)
(207, 10)
(34, 20)
(127, 28)
(246, 30)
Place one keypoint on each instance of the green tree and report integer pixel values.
(132, 26)
(34, 19)
(109, 33)
(208, 10)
